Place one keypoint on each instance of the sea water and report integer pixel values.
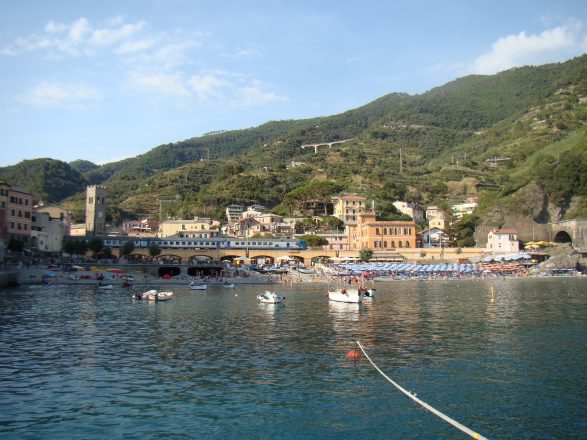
(76, 362)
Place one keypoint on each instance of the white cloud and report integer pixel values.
(74, 39)
(252, 96)
(209, 85)
(134, 46)
(161, 83)
(48, 94)
(110, 35)
(231, 88)
(555, 44)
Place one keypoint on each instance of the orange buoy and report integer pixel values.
(354, 355)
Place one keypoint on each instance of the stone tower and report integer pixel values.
(95, 210)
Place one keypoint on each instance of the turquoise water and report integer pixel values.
(75, 363)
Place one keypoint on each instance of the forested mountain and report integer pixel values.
(518, 140)
(49, 180)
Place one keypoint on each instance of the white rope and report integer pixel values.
(422, 403)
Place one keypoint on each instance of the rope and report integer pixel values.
(422, 403)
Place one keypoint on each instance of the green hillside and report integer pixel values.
(516, 139)
(48, 179)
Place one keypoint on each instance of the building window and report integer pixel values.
(400, 244)
(392, 244)
(407, 244)
(377, 231)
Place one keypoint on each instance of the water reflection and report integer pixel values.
(74, 362)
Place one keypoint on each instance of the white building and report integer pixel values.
(432, 237)
(411, 209)
(503, 241)
(234, 212)
(46, 233)
(460, 209)
(436, 217)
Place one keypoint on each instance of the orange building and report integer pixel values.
(381, 235)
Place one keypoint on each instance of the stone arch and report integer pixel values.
(169, 259)
(172, 271)
(262, 259)
(195, 258)
(320, 259)
(563, 236)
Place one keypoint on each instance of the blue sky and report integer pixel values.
(106, 80)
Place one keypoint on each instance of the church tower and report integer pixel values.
(95, 210)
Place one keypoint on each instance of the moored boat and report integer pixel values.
(149, 294)
(163, 296)
(346, 295)
(195, 286)
(106, 287)
(270, 297)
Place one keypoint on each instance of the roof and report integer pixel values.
(504, 231)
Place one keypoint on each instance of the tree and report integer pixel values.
(107, 252)
(96, 244)
(365, 254)
(154, 250)
(127, 248)
(314, 240)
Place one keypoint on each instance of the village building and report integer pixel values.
(411, 209)
(96, 210)
(57, 213)
(47, 233)
(436, 217)
(143, 227)
(18, 214)
(234, 212)
(197, 227)
(381, 235)
(461, 209)
(431, 237)
(503, 241)
(348, 207)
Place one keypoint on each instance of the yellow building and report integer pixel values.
(348, 207)
(195, 228)
(381, 235)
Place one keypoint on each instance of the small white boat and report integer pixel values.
(270, 297)
(163, 296)
(228, 285)
(106, 287)
(195, 286)
(346, 295)
(149, 294)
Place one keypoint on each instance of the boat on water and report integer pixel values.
(149, 294)
(163, 296)
(346, 295)
(228, 285)
(269, 297)
(195, 286)
(106, 287)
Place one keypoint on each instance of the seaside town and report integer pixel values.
(40, 244)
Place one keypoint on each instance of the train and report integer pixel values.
(210, 243)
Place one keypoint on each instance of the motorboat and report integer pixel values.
(270, 297)
(228, 285)
(195, 286)
(106, 287)
(163, 296)
(346, 295)
(149, 295)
